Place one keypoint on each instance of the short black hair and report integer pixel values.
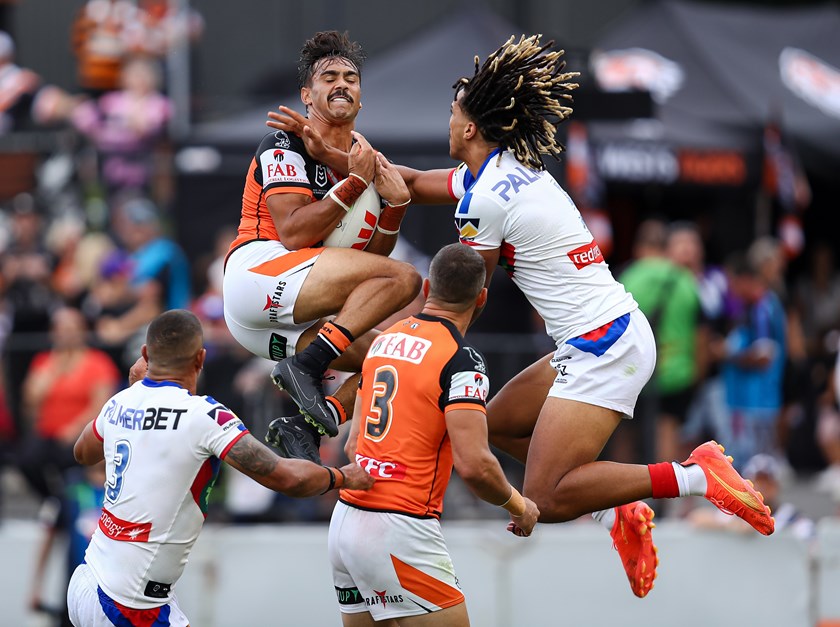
(328, 43)
(518, 97)
(174, 338)
(456, 276)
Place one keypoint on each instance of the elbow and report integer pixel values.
(474, 472)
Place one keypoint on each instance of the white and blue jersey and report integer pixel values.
(544, 244)
(163, 448)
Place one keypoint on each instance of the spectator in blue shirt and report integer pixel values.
(754, 364)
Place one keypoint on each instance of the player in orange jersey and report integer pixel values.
(419, 411)
(280, 284)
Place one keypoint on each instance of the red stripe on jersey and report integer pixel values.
(449, 186)
(96, 433)
(230, 446)
(123, 530)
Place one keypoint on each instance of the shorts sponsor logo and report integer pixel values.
(382, 469)
(400, 346)
(383, 598)
(585, 255)
(272, 302)
(157, 590)
(123, 530)
(348, 596)
(277, 347)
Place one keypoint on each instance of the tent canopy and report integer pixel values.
(721, 73)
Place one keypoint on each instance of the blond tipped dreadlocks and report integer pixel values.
(518, 97)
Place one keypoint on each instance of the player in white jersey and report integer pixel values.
(559, 413)
(163, 446)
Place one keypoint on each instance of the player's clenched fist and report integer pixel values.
(523, 525)
(356, 478)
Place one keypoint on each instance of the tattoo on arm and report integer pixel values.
(253, 456)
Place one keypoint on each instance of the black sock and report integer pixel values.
(332, 340)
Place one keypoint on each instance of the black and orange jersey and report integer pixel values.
(414, 372)
(280, 165)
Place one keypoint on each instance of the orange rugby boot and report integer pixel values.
(631, 534)
(729, 491)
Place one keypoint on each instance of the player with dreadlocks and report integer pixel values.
(557, 415)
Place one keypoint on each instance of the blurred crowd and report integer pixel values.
(746, 352)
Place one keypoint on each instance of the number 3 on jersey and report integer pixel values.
(122, 455)
(378, 419)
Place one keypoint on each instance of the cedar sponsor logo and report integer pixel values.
(123, 530)
(585, 255)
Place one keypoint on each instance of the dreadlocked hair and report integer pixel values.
(325, 44)
(518, 97)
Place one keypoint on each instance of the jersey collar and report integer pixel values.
(492, 154)
(149, 383)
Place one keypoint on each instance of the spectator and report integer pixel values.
(754, 363)
(767, 475)
(74, 520)
(24, 99)
(25, 282)
(112, 296)
(125, 126)
(667, 294)
(101, 38)
(160, 275)
(65, 388)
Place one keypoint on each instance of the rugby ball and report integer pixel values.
(356, 227)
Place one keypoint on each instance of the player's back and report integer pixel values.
(414, 371)
(161, 448)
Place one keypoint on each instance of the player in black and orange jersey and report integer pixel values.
(419, 411)
(279, 284)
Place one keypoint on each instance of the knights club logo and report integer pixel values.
(278, 156)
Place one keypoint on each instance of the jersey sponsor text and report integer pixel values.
(143, 419)
(400, 346)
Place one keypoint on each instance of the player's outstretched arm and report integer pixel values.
(480, 469)
(88, 449)
(293, 477)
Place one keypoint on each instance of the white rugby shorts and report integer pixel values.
(261, 285)
(607, 367)
(390, 565)
(89, 606)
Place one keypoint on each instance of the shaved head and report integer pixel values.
(174, 339)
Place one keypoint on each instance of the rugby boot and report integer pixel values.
(631, 534)
(307, 391)
(294, 438)
(728, 490)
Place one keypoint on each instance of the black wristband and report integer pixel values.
(332, 479)
(343, 476)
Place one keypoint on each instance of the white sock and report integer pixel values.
(691, 479)
(606, 517)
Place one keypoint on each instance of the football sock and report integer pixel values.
(670, 480)
(331, 341)
(606, 517)
(691, 479)
(337, 409)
